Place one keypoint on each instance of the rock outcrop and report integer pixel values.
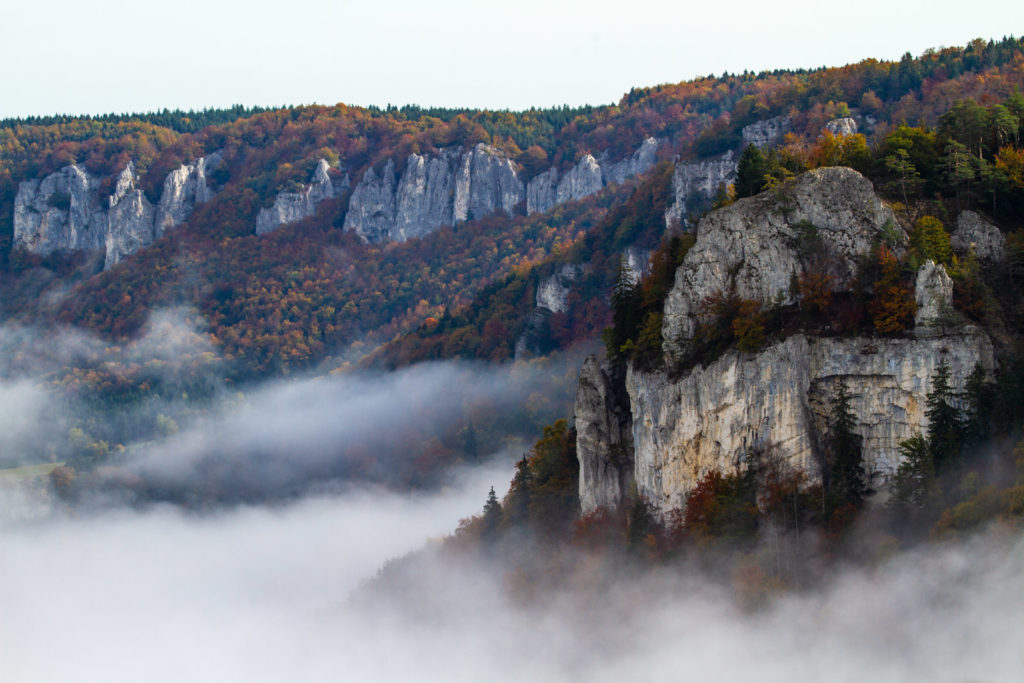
(933, 292)
(694, 184)
(586, 177)
(973, 231)
(727, 412)
(766, 133)
(130, 219)
(582, 180)
(553, 291)
(459, 185)
(603, 437)
(291, 207)
(184, 187)
(487, 182)
(843, 126)
(637, 262)
(371, 209)
(63, 213)
(433, 191)
(753, 247)
(776, 404)
(542, 192)
(642, 160)
(424, 197)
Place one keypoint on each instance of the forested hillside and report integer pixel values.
(533, 228)
(302, 316)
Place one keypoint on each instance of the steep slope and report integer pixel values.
(773, 402)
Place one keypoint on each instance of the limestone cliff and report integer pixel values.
(603, 437)
(843, 126)
(694, 184)
(766, 133)
(431, 191)
(642, 160)
(753, 247)
(542, 192)
(974, 232)
(130, 219)
(291, 207)
(63, 212)
(486, 182)
(553, 291)
(587, 176)
(456, 185)
(371, 210)
(184, 187)
(713, 417)
(775, 402)
(424, 197)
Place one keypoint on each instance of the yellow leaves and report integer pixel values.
(1011, 162)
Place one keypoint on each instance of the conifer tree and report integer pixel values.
(492, 516)
(945, 423)
(979, 401)
(627, 301)
(750, 172)
(516, 510)
(912, 483)
(846, 484)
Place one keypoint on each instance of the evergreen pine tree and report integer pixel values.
(979, 401)
(517, 503)
(945, 424)
(750, 172)
(846, 484)
(492, 516)
(627, 311)
(912, 483)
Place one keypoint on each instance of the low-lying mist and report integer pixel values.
(262, 594)
(326, 475)
(158, 419)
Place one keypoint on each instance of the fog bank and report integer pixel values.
(261, 594)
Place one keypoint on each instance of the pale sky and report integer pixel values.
(74, 56)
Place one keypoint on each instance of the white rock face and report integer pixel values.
(486, 182)
(766, 133)
(603, 438)
(371, 210)
(697, 180)
(974, 231)
(130, 219)
(184, 187)
(291, 207)
(721, 414)
(843, 126)
(61, 212)
(433, 191)
(553, 291)
(637, 262)
(424, 199)
(933, 292)
(713, 416)
(582, 180)
(641, 161)
(588, 176)
(542, 192)
(753, 245)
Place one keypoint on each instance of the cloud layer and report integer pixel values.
(261, 594)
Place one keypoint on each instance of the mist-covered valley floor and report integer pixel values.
(263, 593)
(273, 576)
